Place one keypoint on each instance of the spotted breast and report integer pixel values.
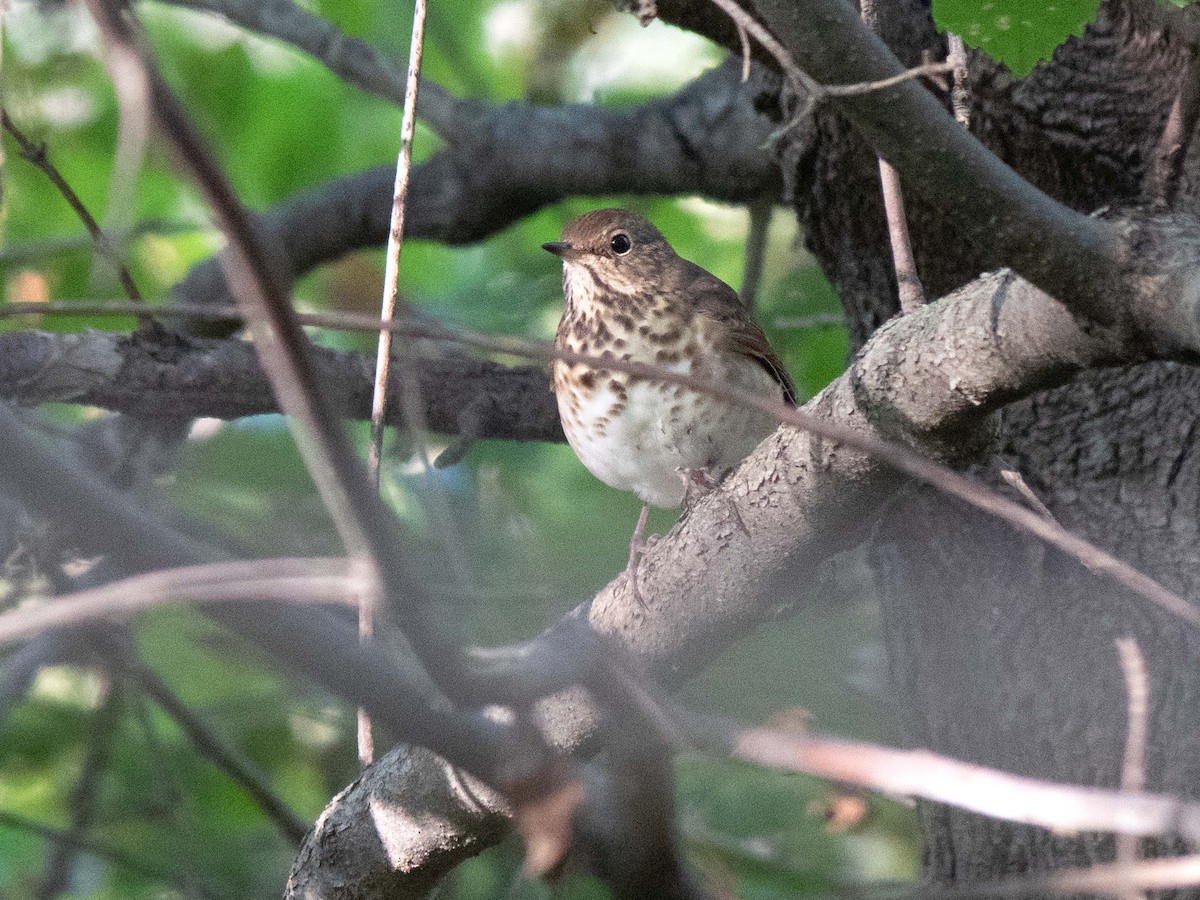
(629, 296)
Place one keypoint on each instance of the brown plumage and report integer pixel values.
(631, 295)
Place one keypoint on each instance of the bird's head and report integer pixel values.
(615, 249)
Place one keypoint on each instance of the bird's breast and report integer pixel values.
(635, 433)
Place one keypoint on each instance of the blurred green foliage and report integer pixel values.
(511, 538)
(1018, 33)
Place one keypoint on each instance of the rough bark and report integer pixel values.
(1002, 653)
(191, 378)
(1008, 659)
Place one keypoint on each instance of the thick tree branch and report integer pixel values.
(1066, 253)
(931, 379)
(706, 139)
(196, 377)
(307, 639)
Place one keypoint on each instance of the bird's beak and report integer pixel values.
(558, 248)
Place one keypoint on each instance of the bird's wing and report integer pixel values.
(748, 340)
(739, 332)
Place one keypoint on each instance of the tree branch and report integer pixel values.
(931, 379)
(195, 377)
(1069, 255)
(705, 139)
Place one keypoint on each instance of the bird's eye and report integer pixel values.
(621, 244)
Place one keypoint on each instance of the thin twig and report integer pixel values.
(747, 51)
(1017, 482)
(383, 357)
(756, 250)
(60, 860)
(900, 458)
(277, 580)
(1169, 154)
(221, 754)
(39, 156)
(987, 791)
(133, 135)
(799, 78)
(926, 70)
(109, 854)
(1133, 769)
(960, 92)
(814, 91)
(908, 282)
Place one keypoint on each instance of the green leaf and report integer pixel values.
(1018, 33)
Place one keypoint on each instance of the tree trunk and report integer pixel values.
(1002, 652)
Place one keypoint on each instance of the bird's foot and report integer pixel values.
(637, 546)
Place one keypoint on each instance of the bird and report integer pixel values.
(630, 296)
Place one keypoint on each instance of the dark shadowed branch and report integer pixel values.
(1069, 255)
(85, 796)
(194, 378)
(804, 498)
(706, 139)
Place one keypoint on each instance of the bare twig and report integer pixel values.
(747, 51)
(56, 872)
(1017, 482)
(908, 283)
(351, 59)
(960, 97)
(39, 155)
(990, 792)
(383, 357)
(1171, 150)
(133, 134)
(1137, 687)
(926, 70)
(221, 754)
(1133, 769)
(276, 580)
(894, 455)
(756, 250)
(814, 91)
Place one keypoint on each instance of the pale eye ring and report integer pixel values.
(620, 243)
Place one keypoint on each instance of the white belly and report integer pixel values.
(663, 429)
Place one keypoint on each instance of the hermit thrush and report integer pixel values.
(631, 296)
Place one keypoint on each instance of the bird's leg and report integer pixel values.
(637, 544)
(705, 482)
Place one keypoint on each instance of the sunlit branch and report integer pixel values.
(273, 580)
(890, 453)
(414, 409)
